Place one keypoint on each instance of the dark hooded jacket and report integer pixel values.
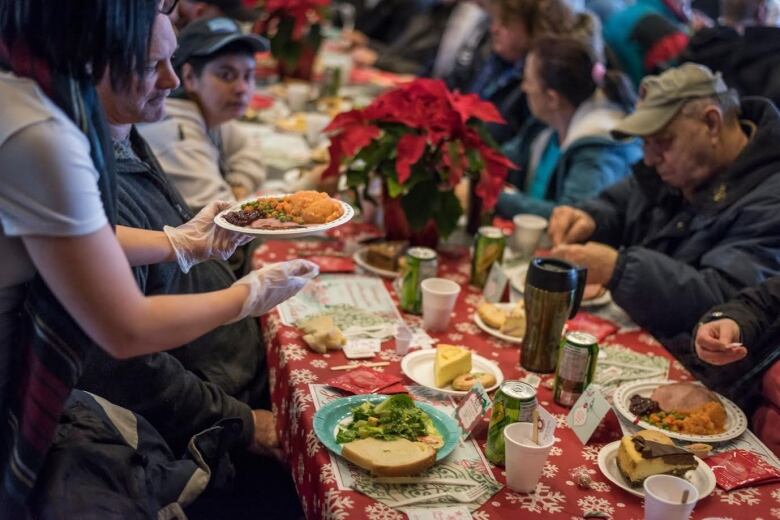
(189, 389)
(678, 258)
(750, 63)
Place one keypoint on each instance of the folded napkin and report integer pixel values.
(618, 364)
(391, 494)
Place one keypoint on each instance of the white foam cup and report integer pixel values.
(315, 124)
(663, 498)
(438, 300)
(528, 232)
(524, 460)
(297, 96)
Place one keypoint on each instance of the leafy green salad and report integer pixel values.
(395, 417)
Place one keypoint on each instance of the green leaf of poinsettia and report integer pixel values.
(419, 204)
(447, 213)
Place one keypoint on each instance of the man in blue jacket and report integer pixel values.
(698, 220)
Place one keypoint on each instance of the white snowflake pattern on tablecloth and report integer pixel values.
(301, 469)
(647, 339)
(775, 512)
(480, 515)
(389, 355)
(561, 420)
(500, 344)
(379, 511)
(454, 336)
(458, 278)
(378, 369)
(294, 428)
(556, 451)
(271, 377)
(326, 474)
(291, 352)
(549, 470)
(543, 500)
(590, 453)
(302, 376)
(290, 334)
(336, 506)
(591, 503)
(319, 363)
(601, 487)
(465, 268)
(776, 495)
(473, 299)
(299, 402)
(466, 327)
(747, 496)
(313, 444)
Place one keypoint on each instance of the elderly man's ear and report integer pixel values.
(713, 118)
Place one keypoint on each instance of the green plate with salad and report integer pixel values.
(397, 416)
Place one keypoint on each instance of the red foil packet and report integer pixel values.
(740, 468)
(367, 381)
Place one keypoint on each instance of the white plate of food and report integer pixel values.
(387, 253)
(688, 410)
(419, 367)
(492, 318)
(594, 296)
(286, 216)
(702, 477)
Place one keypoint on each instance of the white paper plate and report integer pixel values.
(736, 422)
(219, 220)
(418, 366)
(702, 477)
(518, 284)
(495, 332)
(360, 259)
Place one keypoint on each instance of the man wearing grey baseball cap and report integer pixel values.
(698, 220)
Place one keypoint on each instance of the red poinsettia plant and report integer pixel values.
(422, 139)
(293, 28)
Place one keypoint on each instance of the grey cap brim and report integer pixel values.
(646, 121)
(215, 43)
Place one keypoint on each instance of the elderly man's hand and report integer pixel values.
(570, 225)
(364, 57)
(599, 258)
(717, 342)
(265, 441)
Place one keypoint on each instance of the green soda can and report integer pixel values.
(489, 246)
(420, 263)
(515, 401)
(576, 365)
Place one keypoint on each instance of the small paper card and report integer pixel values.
(547, 425)
(362, 348)
(473, 408)
(438, 513)
(496, 284)
(592, 417)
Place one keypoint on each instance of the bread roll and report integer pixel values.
(396, 458)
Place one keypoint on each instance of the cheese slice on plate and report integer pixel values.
(450, 362)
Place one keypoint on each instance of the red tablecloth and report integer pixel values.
(293, 367)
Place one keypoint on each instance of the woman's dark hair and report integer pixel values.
(568, 66)
(80, 38)
(198, 63)
(540, 17)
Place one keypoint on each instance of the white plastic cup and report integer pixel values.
(315, 124)
(297, 96)
(528, 232)
(438, 300)
(403, 338)
(524, 460)
(663, 495)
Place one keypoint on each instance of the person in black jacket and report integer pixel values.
(743, 47)
(698, 220)
(220, 375)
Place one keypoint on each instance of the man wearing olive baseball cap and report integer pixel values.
(698, 220)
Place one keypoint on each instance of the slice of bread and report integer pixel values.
(396, 458)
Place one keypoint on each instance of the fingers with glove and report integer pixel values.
(273, 284)
(200, 239)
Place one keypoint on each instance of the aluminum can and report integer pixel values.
(515, 401)
(489, 244)
(577, 359)
(419, 263)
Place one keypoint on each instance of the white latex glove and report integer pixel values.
(201, 239)
(273, 284)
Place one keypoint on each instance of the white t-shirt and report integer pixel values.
(48, 186)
